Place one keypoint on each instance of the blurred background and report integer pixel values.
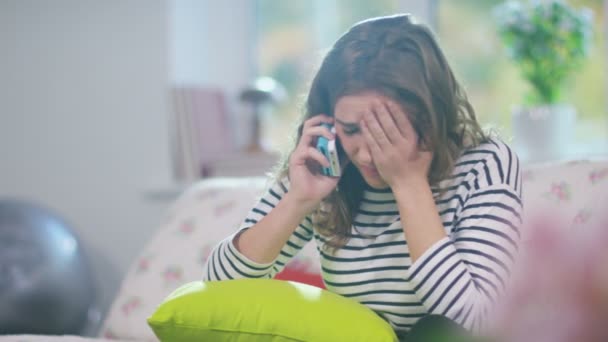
(108, 109)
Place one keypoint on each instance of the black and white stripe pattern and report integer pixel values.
(460, 276)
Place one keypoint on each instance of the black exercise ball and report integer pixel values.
(45, 282)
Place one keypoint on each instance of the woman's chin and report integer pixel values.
(376, 182)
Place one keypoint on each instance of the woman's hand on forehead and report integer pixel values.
(393, 144)
(391, 116)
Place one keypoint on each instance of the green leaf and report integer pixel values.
(547, 40)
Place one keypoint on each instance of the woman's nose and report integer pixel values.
(363, 155)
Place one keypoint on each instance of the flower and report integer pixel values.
(548, 40)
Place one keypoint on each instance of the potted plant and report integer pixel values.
(548, 41)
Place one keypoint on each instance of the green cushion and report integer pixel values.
(252, 310)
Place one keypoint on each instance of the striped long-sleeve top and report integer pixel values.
(459, 277)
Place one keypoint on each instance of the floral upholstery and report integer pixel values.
(559, 289)
(212, 209)
(205, 214)
(568, 192)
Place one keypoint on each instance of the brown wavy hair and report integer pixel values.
(398, 58)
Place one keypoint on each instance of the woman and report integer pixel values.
(425, 217)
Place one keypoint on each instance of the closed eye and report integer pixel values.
(350, 130)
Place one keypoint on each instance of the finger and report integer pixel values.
(375, 129)
(317, 120)
(403, 122)
(387, 122)
(303, 156)
(370, 140)
(311, 133)
(314, 154)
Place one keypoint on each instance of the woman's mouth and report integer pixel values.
(369, 170)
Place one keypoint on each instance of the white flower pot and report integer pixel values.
(543, 133)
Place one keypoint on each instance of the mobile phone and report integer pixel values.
(330, 150)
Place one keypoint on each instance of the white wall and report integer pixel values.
(83, 119)
(212, 44)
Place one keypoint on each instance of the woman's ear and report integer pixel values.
(423, 143)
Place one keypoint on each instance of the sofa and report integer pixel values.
(211, 209)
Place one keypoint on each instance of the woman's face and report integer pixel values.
(348, 113)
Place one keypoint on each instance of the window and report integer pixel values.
(468, 34)
(292, 37)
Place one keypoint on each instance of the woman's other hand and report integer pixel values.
(394, 146)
